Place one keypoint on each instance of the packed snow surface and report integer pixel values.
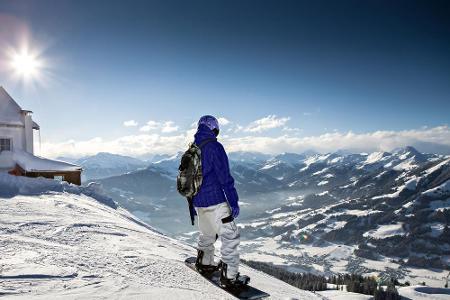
(340, 295)
(424, 292)
(71, 246)
(11, 186)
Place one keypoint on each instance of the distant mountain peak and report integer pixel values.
(309, 153)
(249, 156)
(410, 152)
(290, 155)
(406, 149)
(177, 156)
(343, 152)
(108, 155)
(105, 164)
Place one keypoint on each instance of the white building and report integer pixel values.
(16, 145)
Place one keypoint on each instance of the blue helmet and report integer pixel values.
(211, 122)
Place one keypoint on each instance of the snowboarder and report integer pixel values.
(216, 205)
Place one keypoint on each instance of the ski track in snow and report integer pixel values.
(66, 246)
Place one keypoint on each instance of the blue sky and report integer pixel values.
(321, 66)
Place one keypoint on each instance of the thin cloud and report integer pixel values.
(130, 123)
(149, 126)
(291, 129)
(266, 123)
(132, 145)
(223, 121)
(164, 127)
(437, 138)
(168, 127)
(431, 139)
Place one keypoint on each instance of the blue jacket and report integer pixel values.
(218, 184)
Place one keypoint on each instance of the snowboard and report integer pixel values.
(244, 292)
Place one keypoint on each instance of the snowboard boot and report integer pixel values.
(201, 268)
(235, 282)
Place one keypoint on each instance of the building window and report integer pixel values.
(5, 144)
(59, 177)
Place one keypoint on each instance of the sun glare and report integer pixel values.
(25, 64)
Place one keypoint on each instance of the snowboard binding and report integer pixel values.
(236, 282)
(238, 287)
(204, 269)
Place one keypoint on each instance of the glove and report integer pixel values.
(234, 210)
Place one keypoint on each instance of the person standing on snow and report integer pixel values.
(216, 205)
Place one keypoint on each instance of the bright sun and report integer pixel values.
(25, 64)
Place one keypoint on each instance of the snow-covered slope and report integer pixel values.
(168, 165)
(388, 223)
(424, 292)
(69, 245)
(283, 166)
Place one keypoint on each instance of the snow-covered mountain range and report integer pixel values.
(105, 164)
(391, 220)
(325, 213)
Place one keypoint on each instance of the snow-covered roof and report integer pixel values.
(10, 111)
(36, 125)
(31, 163)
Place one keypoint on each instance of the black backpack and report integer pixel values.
(190, 177)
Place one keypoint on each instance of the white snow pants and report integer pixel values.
(210, 223)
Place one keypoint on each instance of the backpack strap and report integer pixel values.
(191, 209)
(206, 142)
